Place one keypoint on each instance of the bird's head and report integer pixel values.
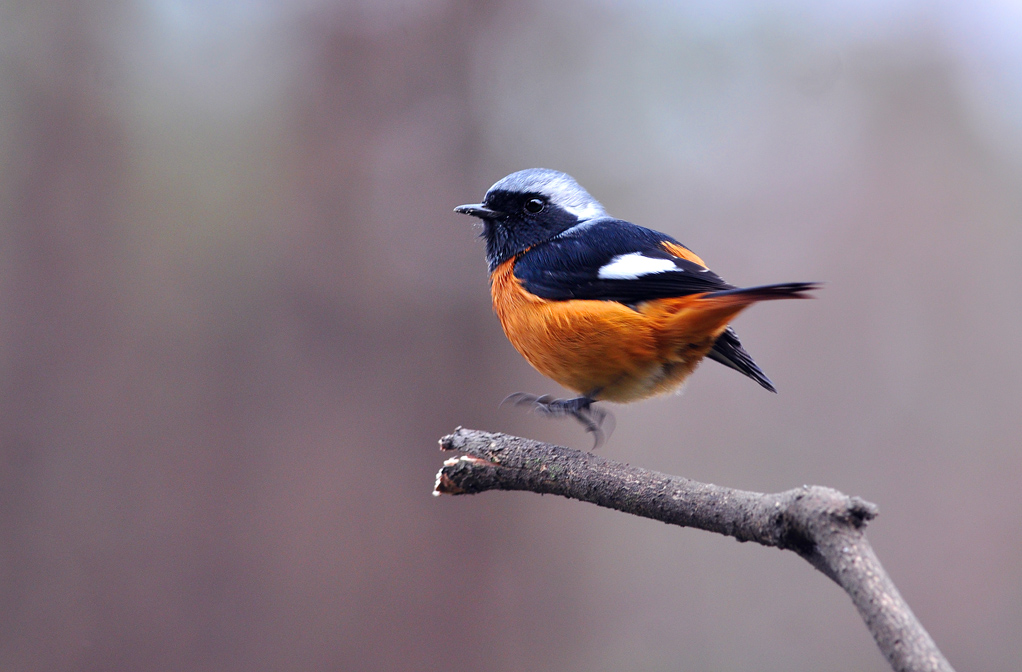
(530, 207)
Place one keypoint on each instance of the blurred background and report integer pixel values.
(237, 312)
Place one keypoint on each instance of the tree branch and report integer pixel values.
(822, 525)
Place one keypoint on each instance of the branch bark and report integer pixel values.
(822, 525)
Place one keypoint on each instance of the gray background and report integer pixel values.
(236, 313)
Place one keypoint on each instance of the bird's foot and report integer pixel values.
(581, 408)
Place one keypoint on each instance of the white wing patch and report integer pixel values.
(634, 265)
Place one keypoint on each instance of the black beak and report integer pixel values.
(478, 210)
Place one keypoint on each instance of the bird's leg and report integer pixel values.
(580, 408)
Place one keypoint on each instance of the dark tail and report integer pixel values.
(787, 290)
(728, 351)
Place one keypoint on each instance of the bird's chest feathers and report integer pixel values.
(534, 323)
(589, 345)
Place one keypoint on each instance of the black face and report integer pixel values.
(524, 220)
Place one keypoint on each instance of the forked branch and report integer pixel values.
(820, 524)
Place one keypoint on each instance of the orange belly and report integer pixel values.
(606, 349)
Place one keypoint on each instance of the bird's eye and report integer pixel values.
(534, 206)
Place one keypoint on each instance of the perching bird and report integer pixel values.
(608, 309)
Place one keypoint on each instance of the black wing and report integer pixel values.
(592, 261)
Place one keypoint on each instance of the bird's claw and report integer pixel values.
(581, 408)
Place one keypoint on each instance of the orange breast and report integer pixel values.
(604, 348)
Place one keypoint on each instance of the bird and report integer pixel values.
(610, 310)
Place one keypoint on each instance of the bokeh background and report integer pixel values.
(237, 312)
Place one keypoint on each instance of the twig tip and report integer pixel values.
(862, 510)
(451, 441)
(444, 485)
